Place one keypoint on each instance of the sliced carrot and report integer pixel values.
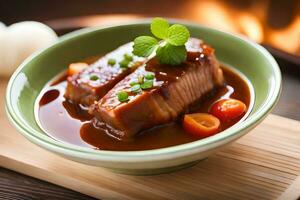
(75, 68)
(201, 124)
(228, 109)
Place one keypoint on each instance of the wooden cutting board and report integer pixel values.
(264, 164)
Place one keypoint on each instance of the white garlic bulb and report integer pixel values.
(2, 25)
(20, 40)
(3, 53)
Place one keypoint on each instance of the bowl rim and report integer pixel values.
(44, 140)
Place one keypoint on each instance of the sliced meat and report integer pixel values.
(174, 89)
(95, 81)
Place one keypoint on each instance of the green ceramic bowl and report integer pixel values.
(247, 57)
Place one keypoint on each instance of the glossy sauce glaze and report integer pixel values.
(198, 54)
(71, 123)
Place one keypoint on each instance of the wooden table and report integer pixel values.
(17, 186)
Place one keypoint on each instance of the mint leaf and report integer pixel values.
(170, 54)
(170, 46)
(159, 27)
(144, 45)
(178, 35)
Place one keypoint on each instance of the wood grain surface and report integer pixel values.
(15, 186)
(264, 164)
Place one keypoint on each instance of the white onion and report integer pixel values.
(2, 48)
(2, 25)
(20, 40)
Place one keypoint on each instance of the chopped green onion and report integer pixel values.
(111, 61)
(149, 76)
(128, 57)
(133, 83)
(147, 84)
(94, 77)
(124, 63)
(122, 96)
(140, 79)
(136, 88)
(132, 64)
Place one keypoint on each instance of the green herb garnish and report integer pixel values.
(178, 35)
(133, 83)
(111, 61)
(128, 57)
(147, 84)
(94, 77)
(170, 49)
(159, 27)
(122, 96)
(144, 45)
(140, 79)
(171, 54)
(136, 88)
(124, 63)
(149, 76)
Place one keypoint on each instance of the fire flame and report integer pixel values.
(287, 39)
(250, 22)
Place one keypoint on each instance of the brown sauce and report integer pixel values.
(71, 123)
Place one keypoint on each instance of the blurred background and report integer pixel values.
(271, 22)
